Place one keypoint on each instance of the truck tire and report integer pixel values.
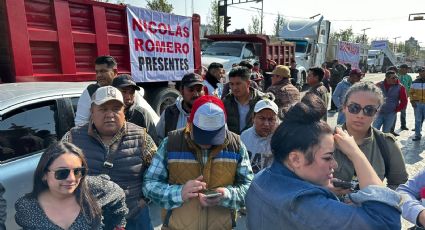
(162, 98)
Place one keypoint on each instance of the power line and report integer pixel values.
(333, 20)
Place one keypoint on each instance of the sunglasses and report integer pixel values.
(368, 110)
(62, 174)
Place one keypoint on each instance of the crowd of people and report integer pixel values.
(236, 147)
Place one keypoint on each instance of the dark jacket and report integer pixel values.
(141, 117)
(233, 113)
(337, 74)
(321, 91)
(124, 160)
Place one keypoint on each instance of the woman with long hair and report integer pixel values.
(293, 193)
(63, 197)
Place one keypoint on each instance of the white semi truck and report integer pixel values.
(311, 38)
(380, 56)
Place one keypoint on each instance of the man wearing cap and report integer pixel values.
(240, 102)
(213, 79)
(134, 113)
(117, 148)
(406, 81)
(395, 99)
(286, 94)
(106, 70)
(202, 158)
(417, 99)
(175, 116)
(257, 138)
(314, 80)
(340, 90)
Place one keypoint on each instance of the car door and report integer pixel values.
(24, 134)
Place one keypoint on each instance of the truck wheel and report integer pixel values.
(162, 98)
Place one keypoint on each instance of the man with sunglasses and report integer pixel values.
(117, 148)
(417, 99)
(395, 100)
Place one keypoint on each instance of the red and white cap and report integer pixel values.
(208, 117)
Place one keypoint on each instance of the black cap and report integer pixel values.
(191, 79)
(404, 66)
(124, 80)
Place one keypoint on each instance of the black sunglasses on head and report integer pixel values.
(368, 110)
(62, 174)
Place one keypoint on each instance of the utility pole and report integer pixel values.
(395, 43)
(364, 34)
(261, 15)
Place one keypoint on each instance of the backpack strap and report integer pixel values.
(383, 148)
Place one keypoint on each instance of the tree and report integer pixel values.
(278, 25)
(215, 22)
(343, 35)
(160, 5)
(254, 27)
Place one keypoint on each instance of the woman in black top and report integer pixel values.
(64, 198)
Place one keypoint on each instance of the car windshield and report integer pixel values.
(224, 49)
(300, 46)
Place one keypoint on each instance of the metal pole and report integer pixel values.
(218, 18)
(262, 10)
(395, 43)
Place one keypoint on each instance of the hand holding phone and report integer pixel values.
(342, 184)
(210, 194)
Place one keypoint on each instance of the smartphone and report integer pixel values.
(211, 194)
(342, 184)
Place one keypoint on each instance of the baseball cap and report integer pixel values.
(281, 70)
(191, 79)
(124, 80)
(357, 72)
(105, 94)
(266, 104)
(404, 66)
(208, 117)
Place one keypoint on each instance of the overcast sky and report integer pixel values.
(387, 19)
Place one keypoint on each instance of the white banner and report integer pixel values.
(161, 45)
(349, 53)
(379, 45)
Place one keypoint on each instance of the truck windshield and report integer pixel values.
(224, 49)
(300, 46)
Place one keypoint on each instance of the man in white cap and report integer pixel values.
(257, 138)
(117, 148)
(201, 173)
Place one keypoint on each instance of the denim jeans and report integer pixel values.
(385, 121)
(419, 117)
(140, 222)
(403, 118)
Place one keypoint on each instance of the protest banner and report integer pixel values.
(161, 45)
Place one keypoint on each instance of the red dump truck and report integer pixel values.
(58, 40)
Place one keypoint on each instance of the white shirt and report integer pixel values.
(259, 149)
(84, 103)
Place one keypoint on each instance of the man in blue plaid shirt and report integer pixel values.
(201, 173)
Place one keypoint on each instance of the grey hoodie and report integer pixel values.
(182, 121)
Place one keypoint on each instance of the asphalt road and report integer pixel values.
(412, 151)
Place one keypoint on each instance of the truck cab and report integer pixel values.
(228, 53)
(311, 38)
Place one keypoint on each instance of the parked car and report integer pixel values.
(32, 116)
